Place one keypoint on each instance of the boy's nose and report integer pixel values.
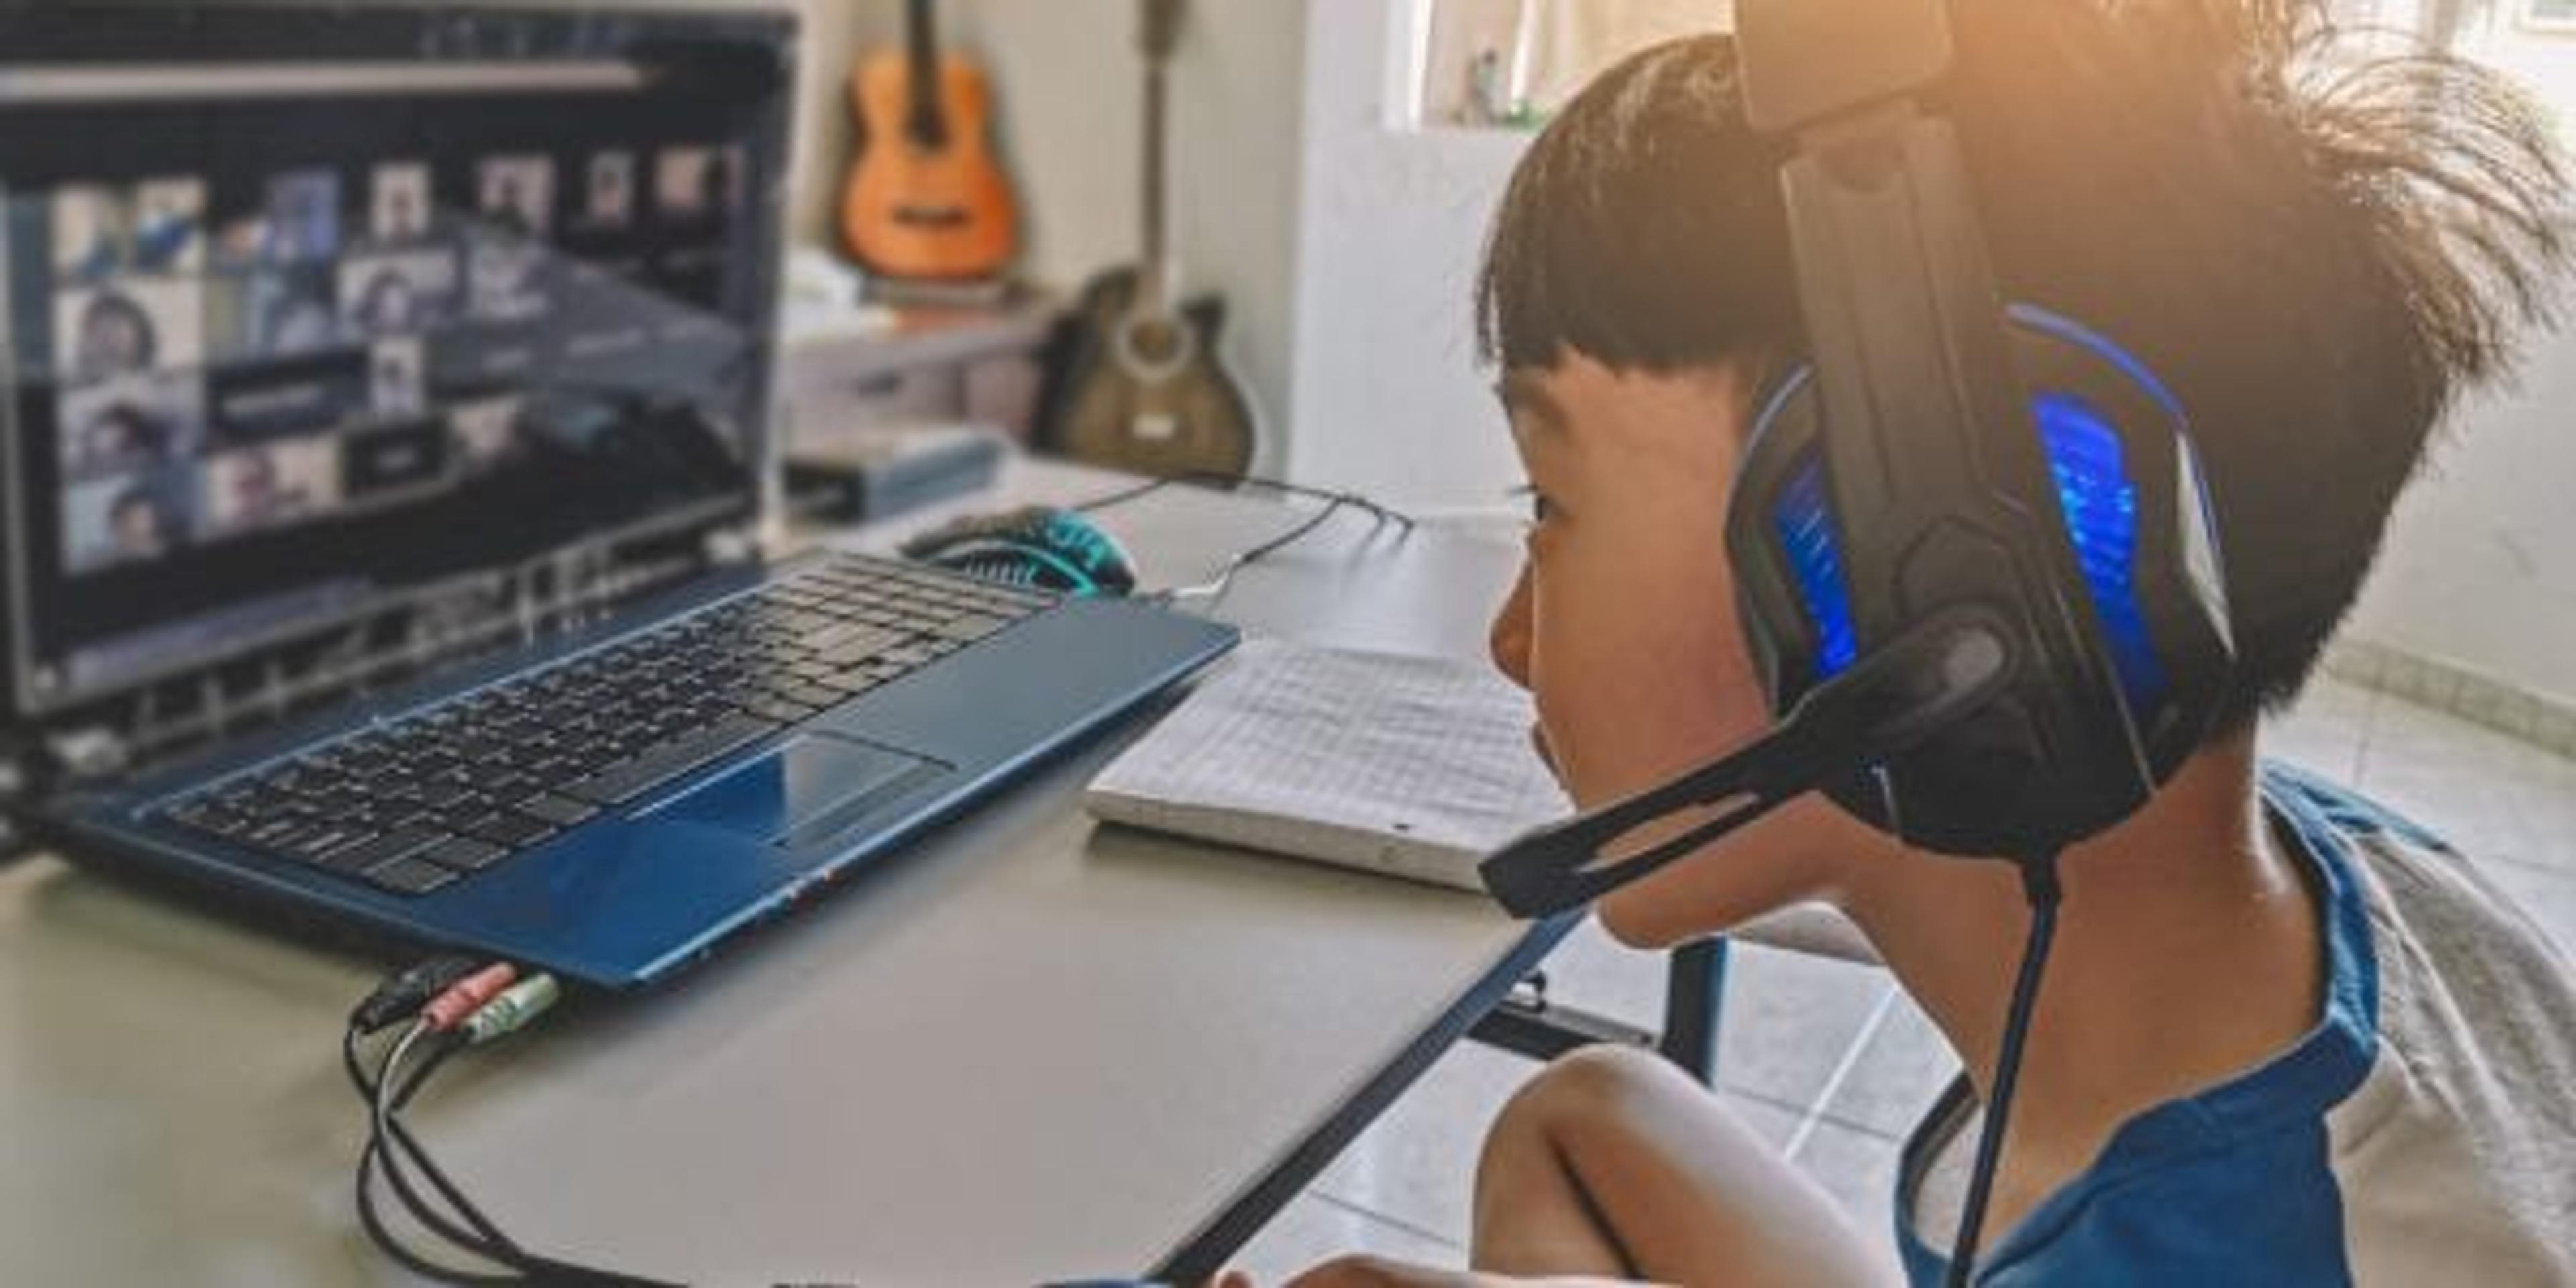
(1509, 639)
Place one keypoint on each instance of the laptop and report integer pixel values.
(384, 395)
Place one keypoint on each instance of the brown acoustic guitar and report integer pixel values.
(926, 200)
(1146, 387)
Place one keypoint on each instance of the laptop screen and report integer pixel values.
(298, 338)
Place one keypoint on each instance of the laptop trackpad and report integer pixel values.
(808, 790)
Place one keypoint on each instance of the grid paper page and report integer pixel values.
(1410, 766)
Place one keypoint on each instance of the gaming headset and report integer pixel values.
(1977, 565)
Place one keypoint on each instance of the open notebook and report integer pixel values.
(1408, 766)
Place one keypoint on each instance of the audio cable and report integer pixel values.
(400, 999)
(441, 1008)
(2040, 887)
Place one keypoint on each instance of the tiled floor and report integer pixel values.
(1831, 1063)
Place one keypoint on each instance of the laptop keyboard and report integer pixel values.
(413, 805)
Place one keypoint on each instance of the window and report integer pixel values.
(1512, 63)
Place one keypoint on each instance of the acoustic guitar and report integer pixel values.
(926, 200)
(1147, 387)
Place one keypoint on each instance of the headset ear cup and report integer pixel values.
(1784, 541)
(2129, 504)
(2137, 515)
(1785, 624)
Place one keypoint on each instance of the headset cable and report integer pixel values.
(444, 1007)
(2040, 886)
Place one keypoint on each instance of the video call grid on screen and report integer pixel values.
(302, 354)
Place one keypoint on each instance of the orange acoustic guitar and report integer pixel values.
(927, 199)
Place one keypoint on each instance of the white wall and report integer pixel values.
(1388, 395)
(2480, 567)
(829, 30)
(832, 31)
(1070, 86)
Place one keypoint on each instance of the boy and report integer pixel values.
(2286, 1037)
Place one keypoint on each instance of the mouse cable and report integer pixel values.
(1215, 482)
(1215, 587)
(2040, 886)
(481, 1007)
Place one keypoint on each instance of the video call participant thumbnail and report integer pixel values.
(88, 233)
(130, 423)
(127, 326)
(129, 519)
(396, 375)
(303, 217)
(399, 210)
(517, 195)
(397, 293)
(608, 200)
(169, 226)
(272, 485)
(485, 432)
(273, 312)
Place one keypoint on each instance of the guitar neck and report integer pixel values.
(1158, 31)
(929, 120)
(1159, 286)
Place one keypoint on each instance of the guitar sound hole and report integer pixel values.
(1156, 341)
(1154, 347)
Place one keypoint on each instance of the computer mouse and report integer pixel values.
(1037, 546)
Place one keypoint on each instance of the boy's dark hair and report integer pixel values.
(2316, 251)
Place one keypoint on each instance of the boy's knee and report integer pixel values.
(1588, 1085)
(1359, 1271)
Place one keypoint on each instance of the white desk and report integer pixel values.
(1024, 1049)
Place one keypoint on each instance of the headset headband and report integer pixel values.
(1927, 422)
(1809, 61)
